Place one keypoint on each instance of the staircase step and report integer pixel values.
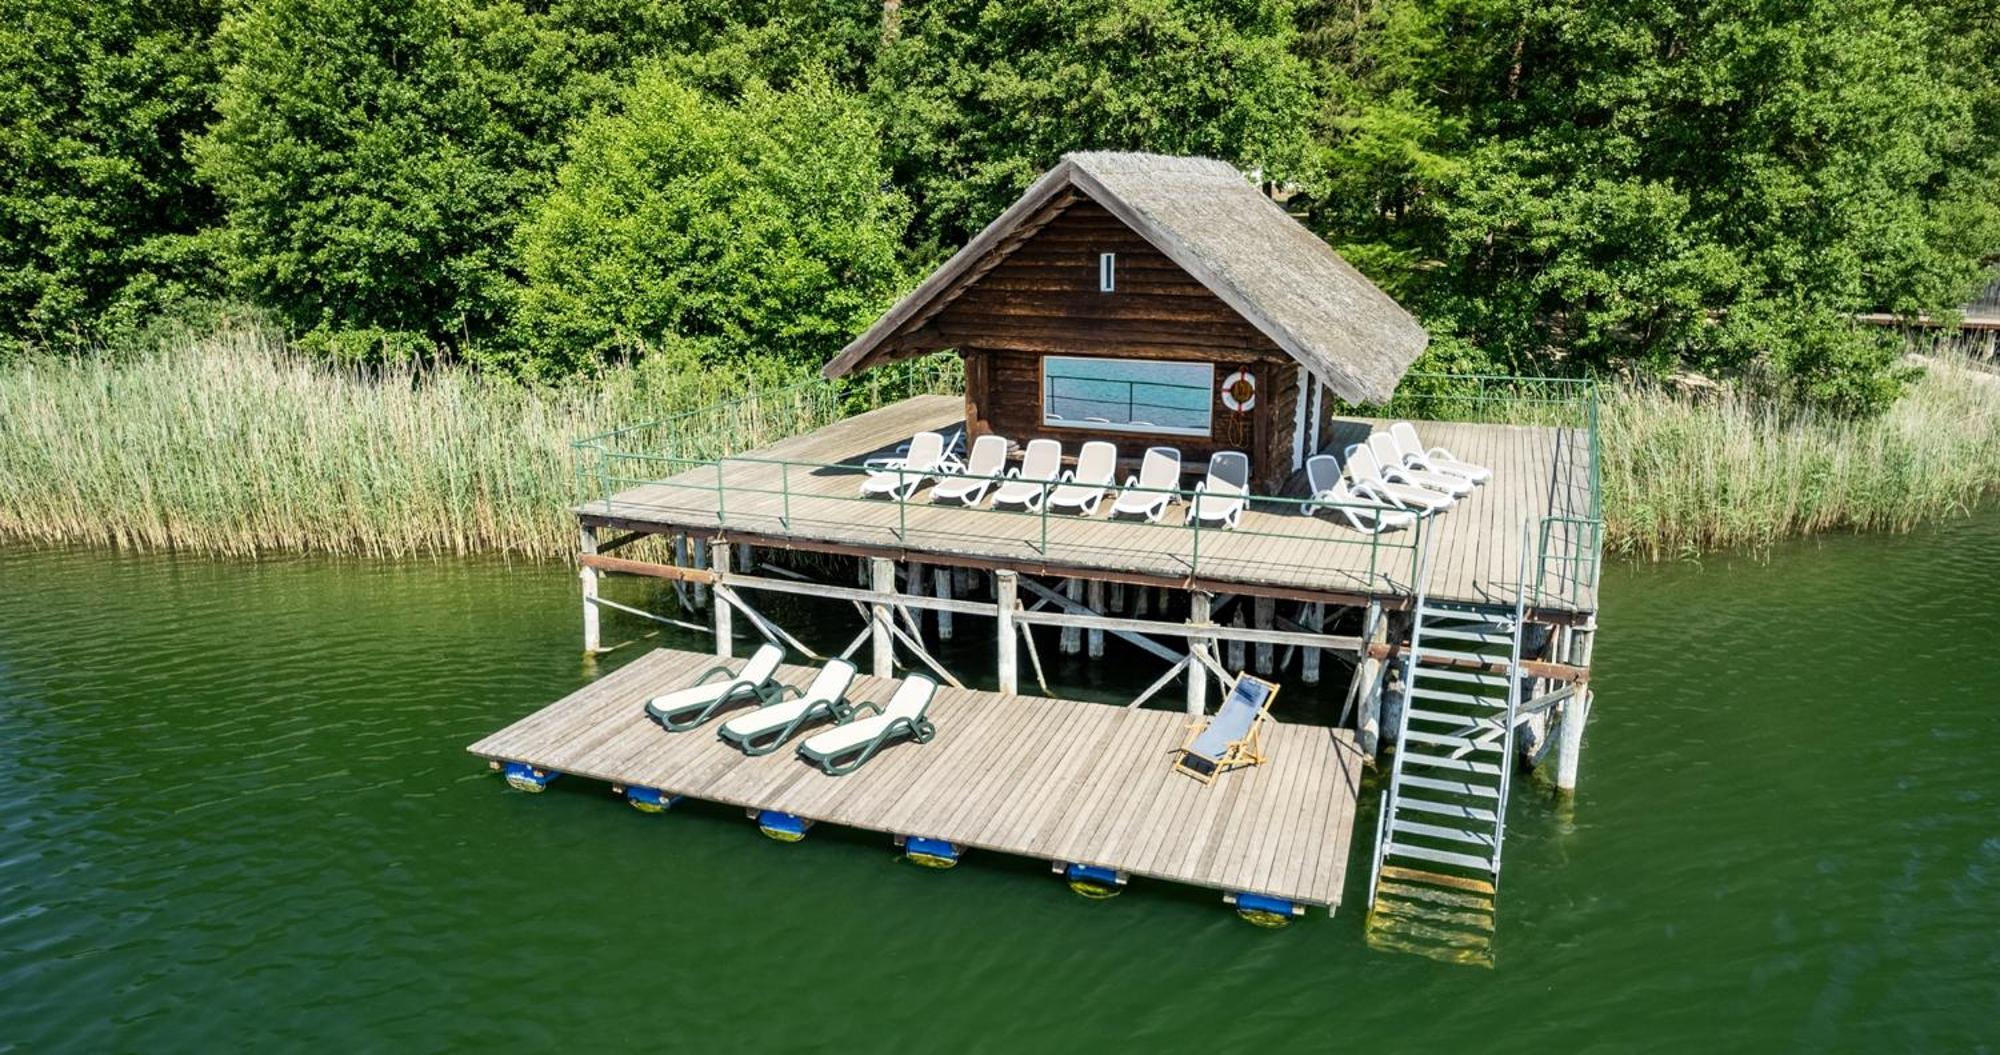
(1465, 722)
(1447, 809)
(1427, 653)
(1496, 702)
(1436, 896)
(1433, 831)
(1452, 787)
(1390, 903)
(1475, 677)
(1383, 940)
(1460, 743)
(1457, 634)
(1418, 875)
(1443, 857)
(1485, 769)
(1436, 611)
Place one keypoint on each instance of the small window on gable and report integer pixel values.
(1107, 272)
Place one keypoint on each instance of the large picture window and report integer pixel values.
(1129, 395)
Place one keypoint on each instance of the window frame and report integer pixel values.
(1206, 432)
(1107, 272)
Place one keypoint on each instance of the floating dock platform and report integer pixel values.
(1057, 780)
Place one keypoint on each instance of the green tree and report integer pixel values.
(1717, 185)
(761, 226)
(373, 157)
(100, 214)
(981, 96)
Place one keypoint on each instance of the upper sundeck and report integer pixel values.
(1539, 512)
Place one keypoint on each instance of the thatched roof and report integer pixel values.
(1208, 218)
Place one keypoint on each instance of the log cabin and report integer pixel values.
(1153, 300)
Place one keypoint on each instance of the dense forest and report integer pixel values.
(543, 188)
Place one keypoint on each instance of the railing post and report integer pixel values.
(604, 475)
(720, 520)
(1194, 559)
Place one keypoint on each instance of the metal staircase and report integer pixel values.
(1436, 867)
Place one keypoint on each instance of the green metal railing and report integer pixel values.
(688, 455)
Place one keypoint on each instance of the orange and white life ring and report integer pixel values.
(1239, 391)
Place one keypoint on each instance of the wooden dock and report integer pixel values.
(1057, 780)
(787, 494)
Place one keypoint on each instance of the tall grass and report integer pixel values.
(233, 444)
(1687, 473)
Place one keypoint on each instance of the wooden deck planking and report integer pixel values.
(1050, 779)
(1478, 539)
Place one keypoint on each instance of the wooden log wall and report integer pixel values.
(1043, 299)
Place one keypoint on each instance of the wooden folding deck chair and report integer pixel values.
(1230, 738)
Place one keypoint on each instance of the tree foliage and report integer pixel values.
(373, 159)
(759, 226)
(1719, 185)
(982, 96)
(101, 217)
(1651, 185)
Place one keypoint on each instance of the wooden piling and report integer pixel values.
(943, 587)
(1070, 640)
(1314, 619)
(1197, 674)
(1266, 609)
(1005, 591)
(1094, 638)
(1575, 712)
(724, 613)
(883, 650)
(592, 633)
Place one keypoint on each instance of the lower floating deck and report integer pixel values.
(1052, 779)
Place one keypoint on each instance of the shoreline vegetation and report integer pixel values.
(236, 444)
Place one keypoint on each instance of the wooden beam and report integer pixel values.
(1205, 629)
(645, 567)
(849, 593)
(1532, 667)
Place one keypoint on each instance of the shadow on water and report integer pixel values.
(238, 806)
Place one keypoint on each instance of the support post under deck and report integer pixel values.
(1575, 711)
(592, 633)
(1197, 674)
(882, 573)
(1005, 590)
(725, 628)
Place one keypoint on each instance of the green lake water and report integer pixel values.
(236, 811)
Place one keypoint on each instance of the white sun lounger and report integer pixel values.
(703, 698)
(1364, 508)
(982, 469)
(1225, 493)
(1362, 468)
(1025, 486)
(1433, 459)
(1391, 460)
(1083, 487)
(1147, 494)
(843, 748)
(899, 478)
(765, 729)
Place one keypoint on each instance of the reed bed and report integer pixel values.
(232, 444)
(1688, 473)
